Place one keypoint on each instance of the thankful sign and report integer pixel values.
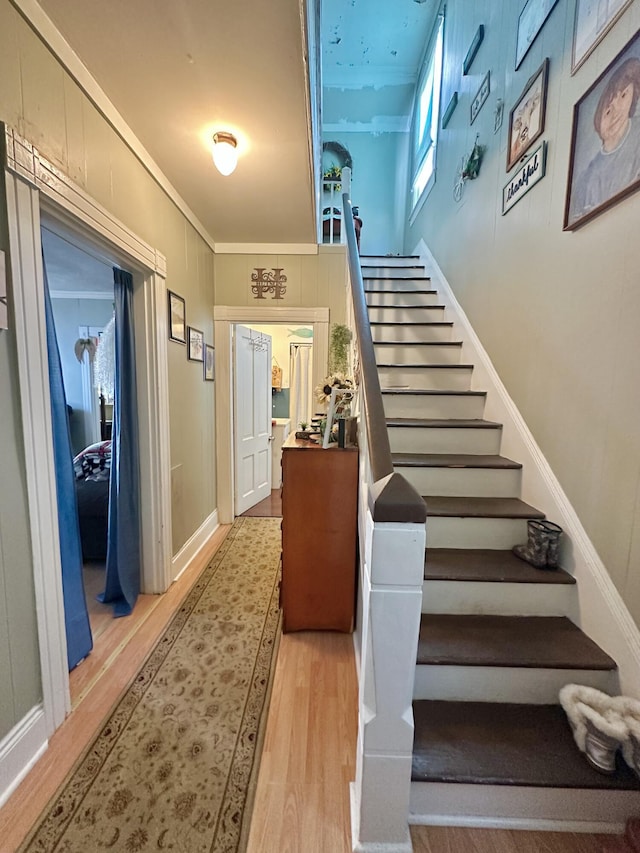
(532, 170)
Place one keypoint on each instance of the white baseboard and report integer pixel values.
(20, 750)
(357, 846)
(603, 614)
(194, 545)
(521, 807)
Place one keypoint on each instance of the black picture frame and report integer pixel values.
(473, 49)
(209, 363)
(526, 119)
(530, 21)
(446, 116)
(176, 307)
(604, 169)
(195, 348)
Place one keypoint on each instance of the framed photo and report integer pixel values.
(530, 22)
(177, 314)
(592, 22)
(195, 350)
(526, 119)
(209, 363)
(604, 164)
(481, 96)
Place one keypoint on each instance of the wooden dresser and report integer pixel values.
(319, 531)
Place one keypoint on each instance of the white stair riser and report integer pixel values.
(449, 378)
(407, 314)
(464, 482)
(390, 261)
(410, 334)
(401, 283)
(399, 299)
(384, 270)
(414, 353)
(443, 440)
(498, 533)
(459, 406)
(536, 686)
(520, 807)
(500, 599)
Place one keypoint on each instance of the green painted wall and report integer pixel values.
(557, 311)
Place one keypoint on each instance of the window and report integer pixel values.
(426, 117)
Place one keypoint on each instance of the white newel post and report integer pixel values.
(392, 575)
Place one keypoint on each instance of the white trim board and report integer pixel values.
(603, 614)
(82, 294)
(196, 543)
(266, 249)
(33, 184)
(21, 749)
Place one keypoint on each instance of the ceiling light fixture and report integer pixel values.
(225, 154)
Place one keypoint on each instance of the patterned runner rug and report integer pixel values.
(175, 764)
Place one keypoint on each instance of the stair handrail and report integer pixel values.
(395, 499)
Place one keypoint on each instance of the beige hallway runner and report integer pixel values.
(174, 766)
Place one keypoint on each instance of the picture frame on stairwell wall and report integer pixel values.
(526, 119)
(530, 21)
(591, 24)
(604, 159)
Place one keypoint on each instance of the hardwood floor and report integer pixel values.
(302, 796)
(270, 507)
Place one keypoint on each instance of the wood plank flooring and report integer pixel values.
(302, 796)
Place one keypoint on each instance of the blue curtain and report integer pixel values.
(122, 583)
(76, 617)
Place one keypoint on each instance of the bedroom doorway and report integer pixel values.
(81, 293)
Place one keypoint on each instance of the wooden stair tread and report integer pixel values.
(404, 323)
(418, 343)
(371, 290)
(443, 423)
(504, 744)
(452, 460)
(548, 642)
(486, 565)
(425, 392)
(465, 507)
(438, 366)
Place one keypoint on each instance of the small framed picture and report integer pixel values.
(177, 314)
(604, 164)
(592, 22)
(195, 350)
(481, 96)
(209, 363)
(526, 119)
(530, 22)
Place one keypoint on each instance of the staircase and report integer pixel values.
(498, 638)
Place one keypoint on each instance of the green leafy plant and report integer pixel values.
(303, 426)
(339, 348)
(333, 173)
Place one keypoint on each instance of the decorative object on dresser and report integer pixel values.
(319, 530)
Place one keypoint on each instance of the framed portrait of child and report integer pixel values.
(604, 164)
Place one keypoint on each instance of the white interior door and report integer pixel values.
(252, 407)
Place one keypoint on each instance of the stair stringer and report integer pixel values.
(603, 614)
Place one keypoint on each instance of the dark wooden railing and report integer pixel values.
(395, 499)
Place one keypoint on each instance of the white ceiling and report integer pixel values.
(178, 71)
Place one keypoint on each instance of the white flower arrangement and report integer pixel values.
(336, 380)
